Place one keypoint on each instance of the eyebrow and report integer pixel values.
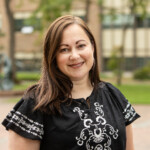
(80, 41)
(63, 45)
(68, 45)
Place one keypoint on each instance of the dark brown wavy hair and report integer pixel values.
(54, 87)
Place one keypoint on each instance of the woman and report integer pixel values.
(71, 108)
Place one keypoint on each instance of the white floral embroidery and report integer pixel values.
(96, 134)
(25, 124)
(129, 112)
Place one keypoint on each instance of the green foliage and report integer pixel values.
(48, 10)
(138, 6)
(28, 76)
(143, 73)
(1, 35)
(33, 21)
(100, 2)
(115, 60)
(116, 63)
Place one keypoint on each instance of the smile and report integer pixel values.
(77, 65)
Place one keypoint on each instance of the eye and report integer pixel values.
(81, 46)
(63, 50)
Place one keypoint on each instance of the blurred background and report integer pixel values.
(121, 29)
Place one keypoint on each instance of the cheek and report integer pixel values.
(61, 61)
(89, 52)
(89, 56)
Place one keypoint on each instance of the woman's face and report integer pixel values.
(75, 55)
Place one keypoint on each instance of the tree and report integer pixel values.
(1, 35)
(50, 10)
(92, 17)
(11, 42)
(87, 6)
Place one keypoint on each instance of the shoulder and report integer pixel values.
(31, 92)
(115, 97)
(106, 86)
(23, 120)
(111, 90)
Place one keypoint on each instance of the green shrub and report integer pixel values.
(143, 73)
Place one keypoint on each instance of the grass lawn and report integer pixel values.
(136, 93)
(23, 85)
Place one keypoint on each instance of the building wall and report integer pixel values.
(112, 39)
(112, 35)
(23, 5)
(24, 42)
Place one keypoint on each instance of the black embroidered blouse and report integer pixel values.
(98, 127)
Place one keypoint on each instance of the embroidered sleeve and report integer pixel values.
(24, 121)
(129, 114)
(126, 108)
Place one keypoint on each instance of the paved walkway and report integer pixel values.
(141, 127)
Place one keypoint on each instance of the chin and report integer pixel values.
(77, 78)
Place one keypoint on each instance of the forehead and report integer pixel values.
(74, 31)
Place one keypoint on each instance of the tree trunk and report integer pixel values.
(94, 25)
(11, 39)
(101, 41)
(134, 43)
(146, 41)
(121, 64)
(112, 28)
(87, 4)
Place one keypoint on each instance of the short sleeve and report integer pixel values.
(24, 121)
(129, 113)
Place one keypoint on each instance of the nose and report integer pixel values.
(74, 54)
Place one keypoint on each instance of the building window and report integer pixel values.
(142, 22)
(140, 62)
(21, 24)
(118, 20)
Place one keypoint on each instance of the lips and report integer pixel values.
(76, 65)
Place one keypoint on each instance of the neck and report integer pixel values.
(81, 88)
